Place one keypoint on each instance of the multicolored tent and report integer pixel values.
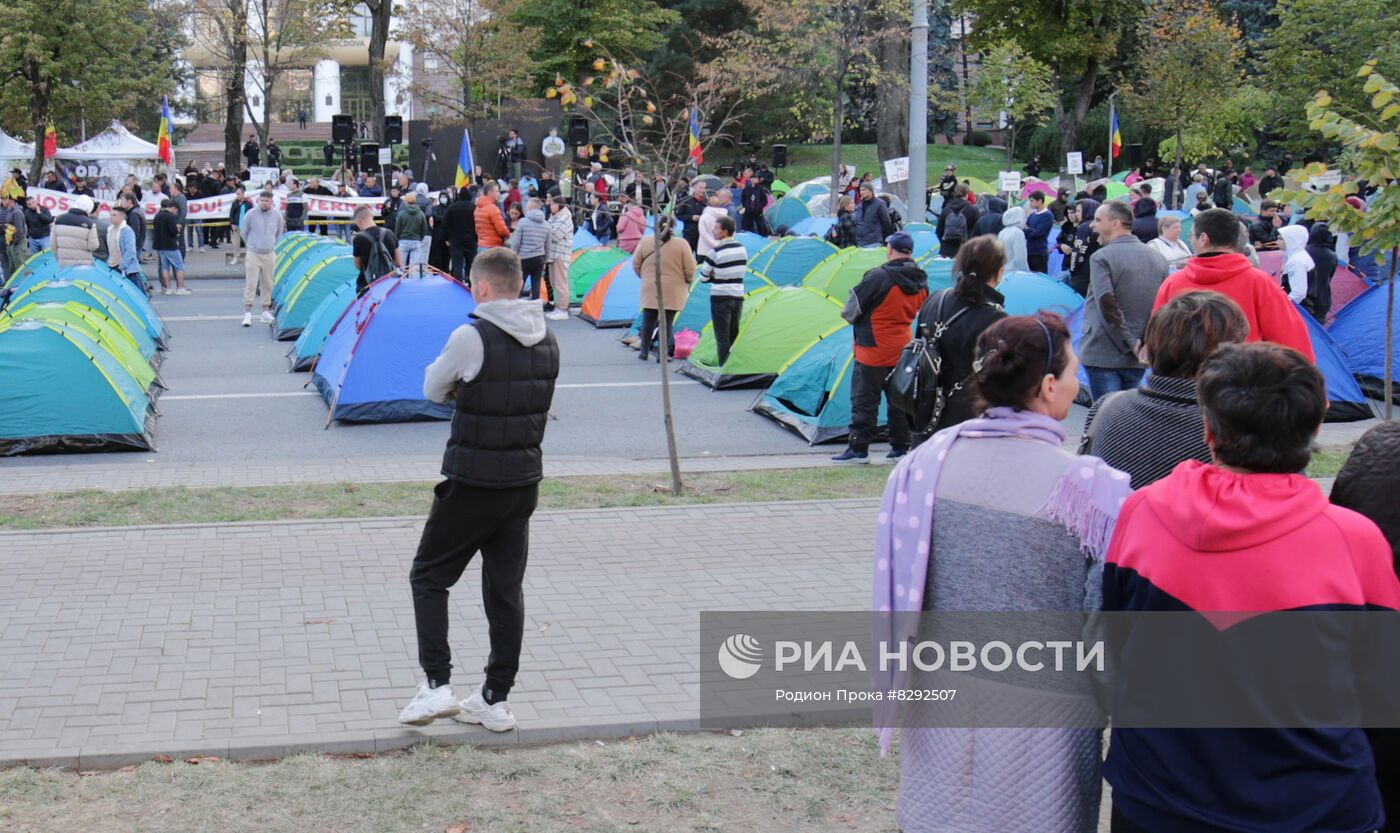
(777, 324)
(614, 300)
(134, 351)
(372, 363)
(299, 258)
(787, 260)
(812, 394)
(812, 227)
(588, 265)
(584, 239)
(64, 391)
(696, 313)
(105, 284)
(88, 293)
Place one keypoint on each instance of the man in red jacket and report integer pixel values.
(881, 310)
(1219, 266)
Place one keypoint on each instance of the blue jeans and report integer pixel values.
(1106, 380)
(414, 252)
(38, 244)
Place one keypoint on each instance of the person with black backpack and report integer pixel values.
(842, 235)
(375, 248)
(950, 322)
(956, 222)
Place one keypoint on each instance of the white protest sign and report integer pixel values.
(897, 170)
(386, 156)
(1325, 180)
(258, 177)
(1074, 162)
(1009, 181)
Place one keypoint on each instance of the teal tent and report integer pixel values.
(787, 260)
(777, 324)
(44, 265)
(64, 391)
(89, 294)
(307, 347)
(696, 313)
(307, 292)
(785, 212)
(297, 265)
(812, 394)
(109, 285)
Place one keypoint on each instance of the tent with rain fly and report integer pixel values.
(307, 347)
(299, 260)
(98, 406)
(1027, 293)
(787, 260)
(1345, 400)
(614, 299)
(776, 325)
(812, 394)
(372, 363)
(105, 282)
(1359, 329)
(584, 239)
(785, 212)
(695, 315)
(840, 272)
(306, 293)
(588, 265)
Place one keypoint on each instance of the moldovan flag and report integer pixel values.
(163, 148)
(695, 137)
(464, 161)
(1115, 139)
(50, 143)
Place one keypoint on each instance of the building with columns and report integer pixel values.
(333, 79)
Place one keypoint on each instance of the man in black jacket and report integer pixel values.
(499, 370)
(250, 151)
(461, 234)
(873, 222)
(1271, 181)
(689, 211)
(40, 223)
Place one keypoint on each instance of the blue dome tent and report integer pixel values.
(752, 242)
(812, 394)
(43, 265)
(107, 287)
(584, 239)
(1030, 292)
(786, 212)
(372, 363)
(297, 266)
(98, 407)
(787, 260)
(812, 227)
(1359, 329)
(1345, 400)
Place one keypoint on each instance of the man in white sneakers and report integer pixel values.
(260, 228)
(500, 371)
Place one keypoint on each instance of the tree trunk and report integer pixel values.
(677, 487)
(1388, 385)
(1178, 137)
(838, 109)
(236, 91)
(1010, 145)
(39, 117)
(1082, 100)
(382, 11)
(892, 104)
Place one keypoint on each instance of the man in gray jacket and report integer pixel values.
(1124, 275)
(530, 240)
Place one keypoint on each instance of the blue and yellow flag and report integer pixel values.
(464, 161)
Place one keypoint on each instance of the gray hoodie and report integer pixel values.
(531, 235)
(461, 358)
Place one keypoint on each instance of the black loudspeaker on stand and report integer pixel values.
(342, 130)
(369, 156)
(578, 131)
(780, 156)
(393, 130)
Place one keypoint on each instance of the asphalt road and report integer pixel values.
(231, 398)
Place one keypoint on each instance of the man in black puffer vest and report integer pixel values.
(500, 370)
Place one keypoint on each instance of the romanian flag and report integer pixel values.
(50, 143)
(163, 146)
(1115, 139)
(695, 153)
(464, 162)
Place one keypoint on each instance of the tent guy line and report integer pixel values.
(285, 394)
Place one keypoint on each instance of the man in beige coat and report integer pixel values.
(677, 271)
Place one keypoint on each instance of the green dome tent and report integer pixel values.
(787, 260)
(97, 407)
(777, 324)
(839, 273)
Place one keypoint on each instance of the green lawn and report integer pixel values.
(809, 161)
(357, 500)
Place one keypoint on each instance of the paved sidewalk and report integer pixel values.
(132, 472)
(253, 640)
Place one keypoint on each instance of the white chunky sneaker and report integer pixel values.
(247, 319)
(497, 717)
(428, 705)
(267, 317)
(182, 291)
(557, 315)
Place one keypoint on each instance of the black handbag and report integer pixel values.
(912, 386)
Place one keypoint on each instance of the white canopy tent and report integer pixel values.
(116, 142)
(14, 153)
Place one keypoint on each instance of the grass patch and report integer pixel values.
(768, 780)
(357, 500)
(810, 161)
(1327, 463)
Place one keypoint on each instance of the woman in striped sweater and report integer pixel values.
(1147, 431)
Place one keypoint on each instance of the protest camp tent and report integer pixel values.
(1121, 175)
(292, 238)
(318, 325)
(785, 212)
(812, 227)
(136, 354)
(1345, 400)
(301, 259)
(1347, 285)
(980, 187)
(106, 282)
(588, 265)
(1359, 329)
(65, 392)
(372, 362)
(750, 241)
(776, 325)
(811, 189)
(695, 315)
(779, 188)
(812, 394)
(1027, 293)
(787, 260)
(837, 274)
(584, 239)
(73, 285)
(925, 241)
(42, 265)
(307, 292)
(938, 269)
(615, 298)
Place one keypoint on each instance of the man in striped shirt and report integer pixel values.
(723, 269)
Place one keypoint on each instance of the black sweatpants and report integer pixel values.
(460, 259)
(867, 389)
(1038, 263)
(465, 520)
(725, 313)
(532, 269)
(648, 333)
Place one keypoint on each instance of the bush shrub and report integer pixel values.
(979, 139)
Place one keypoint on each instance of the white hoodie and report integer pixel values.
(463, 354)
(708, 218)
(1297, 262)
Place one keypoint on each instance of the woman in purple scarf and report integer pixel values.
(994, 515)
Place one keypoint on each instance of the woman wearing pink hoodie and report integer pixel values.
(631, 226)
